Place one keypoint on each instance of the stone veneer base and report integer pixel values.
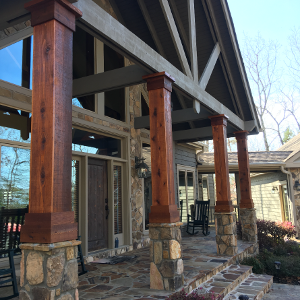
(248, 224)
(226, 235)
(166, 265)
(49, 271)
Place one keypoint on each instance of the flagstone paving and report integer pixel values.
(280, 291)
(131, 279)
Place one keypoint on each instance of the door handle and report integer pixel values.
(107, 211)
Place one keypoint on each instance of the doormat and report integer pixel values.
(114, 260)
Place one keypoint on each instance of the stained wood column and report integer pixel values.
(244, 169)
(50, 218)
(163, 209)
(219, 129)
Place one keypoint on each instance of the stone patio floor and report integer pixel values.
(131, 279)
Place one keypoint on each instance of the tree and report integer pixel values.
(260, 58)
(287, 135)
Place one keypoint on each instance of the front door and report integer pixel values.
(97, 204)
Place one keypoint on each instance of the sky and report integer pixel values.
(274, 20)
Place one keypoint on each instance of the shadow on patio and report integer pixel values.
(131, 279)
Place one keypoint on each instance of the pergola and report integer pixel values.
(187, 53)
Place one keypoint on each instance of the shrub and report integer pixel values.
(287, 248)
(195, 295)
(290, 265)
(258, 266)
(271, 233)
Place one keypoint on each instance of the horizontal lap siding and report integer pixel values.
(267, 204)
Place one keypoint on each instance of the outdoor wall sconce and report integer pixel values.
(274, 189)
(297, 185)
(277, 265)
(141, 167)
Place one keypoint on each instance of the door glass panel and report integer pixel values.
(117, 200)
(14, 177)
(205, 189)
(182, 195)
(75, 188)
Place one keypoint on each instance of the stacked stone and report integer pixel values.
(248, 223)
(166, 267)
(226, 236)
(49, 271)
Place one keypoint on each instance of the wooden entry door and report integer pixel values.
(97, 204)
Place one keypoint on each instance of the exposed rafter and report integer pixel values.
(175, 37)
(209, 67)
(180, 26)
(229, 80)
(18, 36)
(110, 80)
(192, 35)
(116, 11)
(151, 27)
(178, 116)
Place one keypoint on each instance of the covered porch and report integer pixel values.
(211, 100)
(131, 279)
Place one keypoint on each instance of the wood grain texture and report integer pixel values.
(163, 209)
(219, 130)
(51, 134)
(244, 169)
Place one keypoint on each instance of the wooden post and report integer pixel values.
(244, 169)
(163, 209)
(50, 218)
(219, 129)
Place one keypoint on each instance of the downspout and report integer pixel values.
(292, 196)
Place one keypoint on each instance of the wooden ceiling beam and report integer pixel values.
(175, 37)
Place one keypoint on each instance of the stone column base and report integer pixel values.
(49, 271)
(248, 224)
(226, 233)
(166, 266)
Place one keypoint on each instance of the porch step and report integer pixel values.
(237, 280)
(226, 281)
(255, 287)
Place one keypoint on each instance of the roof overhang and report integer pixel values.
(194, 41)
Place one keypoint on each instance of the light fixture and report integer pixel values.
(142, 168)
(274, 189)
(297, 185)
(277, 265)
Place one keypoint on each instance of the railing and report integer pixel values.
(212, 212)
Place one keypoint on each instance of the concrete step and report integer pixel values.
(226, 281)
(255, 287)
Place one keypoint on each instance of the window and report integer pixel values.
(144, 106)
(16, 63)
(94, 143)
(83, 64)
(146, 153)
(186, 189)
(15, 125)
(114, 100)
(14, 177)
(118, 228)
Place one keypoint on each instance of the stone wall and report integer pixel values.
(166, 264)
(49, 271)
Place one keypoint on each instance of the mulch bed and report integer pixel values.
(287, 280)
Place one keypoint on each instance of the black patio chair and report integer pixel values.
(200, 219)
(181, 205)
(9, 275)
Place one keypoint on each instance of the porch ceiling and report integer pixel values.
(197, 45)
